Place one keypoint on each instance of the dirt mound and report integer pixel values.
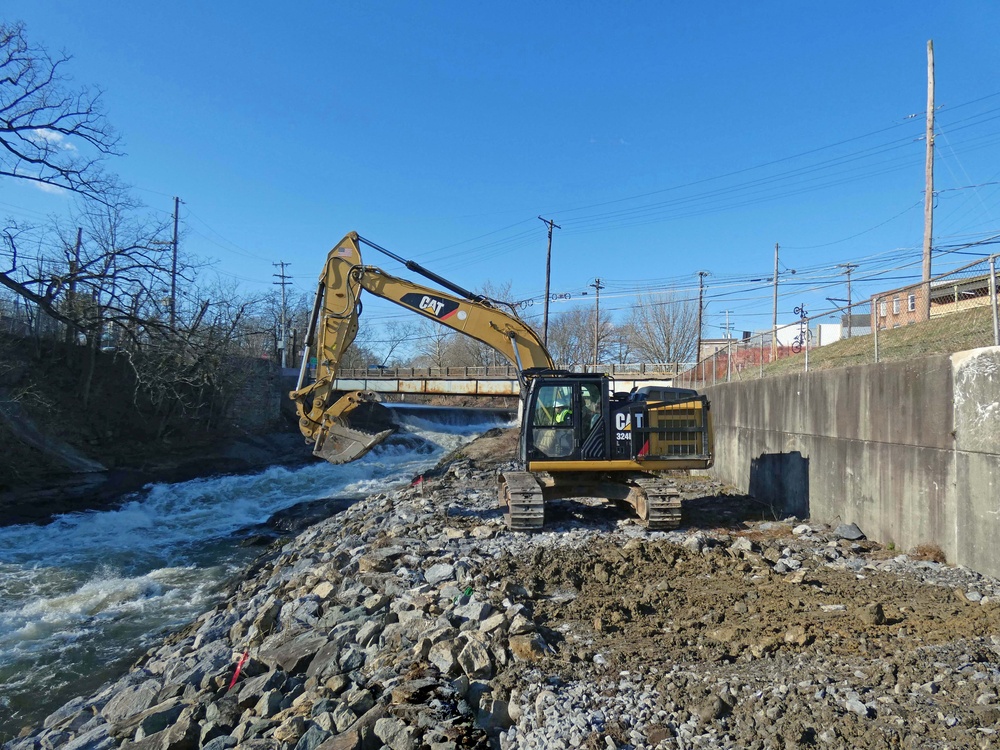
(638, 601)
(776, 659)
(493, 447)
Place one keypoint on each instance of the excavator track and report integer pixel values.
(521, 495)
(657, 503)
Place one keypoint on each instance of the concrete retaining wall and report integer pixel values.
(909, 451)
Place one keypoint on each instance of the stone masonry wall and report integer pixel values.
(258, 405)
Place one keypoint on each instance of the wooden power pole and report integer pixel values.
(929, 181)
(848, 267)
(701, 310)
(774, 317)
(598, 286)
(548, 272)
(283, 282)
(173, 271)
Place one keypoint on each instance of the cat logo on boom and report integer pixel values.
(431, 305)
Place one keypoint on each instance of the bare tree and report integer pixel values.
(619, 344)
(112, 278)
(390, 342)
(106, 274)
(363, 352)
(31, 283)
(50, 133)
(54, 136)
(199, 371)
(664, 328)
(571, 337)
(103, 265)
(299, 311)
(435, 345)
(466, 351)
(267, 341)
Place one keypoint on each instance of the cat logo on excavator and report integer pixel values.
(623, 422)
(430, 305)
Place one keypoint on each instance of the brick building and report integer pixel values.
(906, 305)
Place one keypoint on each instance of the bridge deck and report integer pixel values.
(484, 381)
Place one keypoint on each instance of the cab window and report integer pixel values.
(552, 421)
(554, 406)
(591, 402)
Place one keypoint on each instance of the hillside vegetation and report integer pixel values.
(952, 333)
(120, 423)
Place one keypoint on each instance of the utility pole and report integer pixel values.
(283, 282)
(548, 273)
(701, 310)
(774, 318)
(929, 181)
(74, 268)
(729, 353)
(598, 286)
(173, 270)
(848, 267)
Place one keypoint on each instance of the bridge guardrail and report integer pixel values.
(507, 372)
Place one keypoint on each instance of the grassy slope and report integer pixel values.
(952, 333)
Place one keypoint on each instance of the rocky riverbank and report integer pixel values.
(413, 620)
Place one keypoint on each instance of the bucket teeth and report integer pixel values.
(341, 444)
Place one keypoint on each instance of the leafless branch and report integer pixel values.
(50, 134)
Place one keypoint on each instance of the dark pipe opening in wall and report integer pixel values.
(782, 481)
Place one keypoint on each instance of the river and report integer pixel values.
(83, 596)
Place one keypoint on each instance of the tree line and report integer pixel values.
(109, 279)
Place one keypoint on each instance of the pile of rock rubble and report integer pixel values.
(366, 630)
(390, 625)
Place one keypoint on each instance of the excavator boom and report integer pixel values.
(334, 325)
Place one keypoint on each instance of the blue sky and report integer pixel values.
(664, 137)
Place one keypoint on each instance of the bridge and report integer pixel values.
(487, 381)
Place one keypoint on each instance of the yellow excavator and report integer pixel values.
(579, 437)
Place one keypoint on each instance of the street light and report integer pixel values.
(835, 300)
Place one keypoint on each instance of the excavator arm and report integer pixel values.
(334, 324)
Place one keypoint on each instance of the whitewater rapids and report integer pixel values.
(81, 597)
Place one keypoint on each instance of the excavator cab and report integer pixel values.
(578, 417)
(564, 418)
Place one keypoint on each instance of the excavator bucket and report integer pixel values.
(327, 427)
(339, 443)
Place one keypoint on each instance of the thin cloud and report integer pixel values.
(47, 188)
(53, 138)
